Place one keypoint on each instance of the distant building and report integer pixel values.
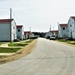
(27, 34)
(63, 30)
(20, 32)
(7, 29)
(51, 33)
(54, 33)
(71, 27)
(47, 35)
(36, 34)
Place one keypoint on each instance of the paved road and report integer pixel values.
(47, 58)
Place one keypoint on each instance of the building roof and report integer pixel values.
(54, 31)
(27, 32)
(73, 17)
(63, 25)
(19, 26)
(5, 20)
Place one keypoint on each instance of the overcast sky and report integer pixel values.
(38, 14)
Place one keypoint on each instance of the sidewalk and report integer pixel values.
(6, 54)
(4, 45)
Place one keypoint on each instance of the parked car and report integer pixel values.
(52, 37)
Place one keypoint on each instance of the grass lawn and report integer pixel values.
(18, 44)
(1, 43)
(67, 41)
(29, 41)
(22, 43)
(8, 50)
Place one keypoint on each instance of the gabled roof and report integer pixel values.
(19, 26)
(54, 31)
(73, 17)
(63, 25)
(5, 20)
(27, 32)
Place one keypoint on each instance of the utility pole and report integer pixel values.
(50, 30)
(10, 25)
(30, 32)
(30, 29)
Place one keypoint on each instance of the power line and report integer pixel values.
(15, 17)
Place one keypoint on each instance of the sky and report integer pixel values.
(38, 15)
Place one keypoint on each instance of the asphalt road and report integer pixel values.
(47, 58)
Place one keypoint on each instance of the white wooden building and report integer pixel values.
(28, 34)
(47, 34)
(7, 29)
(52, 33)
(20, 32)
(63, 30)
(71, 27)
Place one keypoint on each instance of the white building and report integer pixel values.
(20, 32)
(7, 29)
(52, 33)
(63, 30)
(28, 34)
(71, 27)
(47, 35)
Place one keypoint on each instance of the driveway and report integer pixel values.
(48, 58)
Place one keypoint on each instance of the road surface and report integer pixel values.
(47, 58)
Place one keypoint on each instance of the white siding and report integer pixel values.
(47, 34)
(71, 28)
(13, 31)
(20, 34)
(4, 32)
(62, 33)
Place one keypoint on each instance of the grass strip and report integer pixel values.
(18, 44)
(8, 50)
(67, 41)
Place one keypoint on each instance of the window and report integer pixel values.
(18, 30)
(13, 27)
(70, 25)
(63, 28)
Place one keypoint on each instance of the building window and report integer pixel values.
(63, 28)
(13, 27)
(18, 30)
(70, 25)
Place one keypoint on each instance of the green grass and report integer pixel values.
(18, 44)
(23, 43)
(67, 41)
(8, 50)
(29, 41)
(72, 42)
(1, 43)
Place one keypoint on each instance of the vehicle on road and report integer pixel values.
(52, 37)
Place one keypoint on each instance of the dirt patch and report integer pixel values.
(22, 52)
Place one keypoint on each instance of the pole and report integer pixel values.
(30, 33)
(10, 25)
(50, 30)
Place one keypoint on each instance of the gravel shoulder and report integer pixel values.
(22, 52)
